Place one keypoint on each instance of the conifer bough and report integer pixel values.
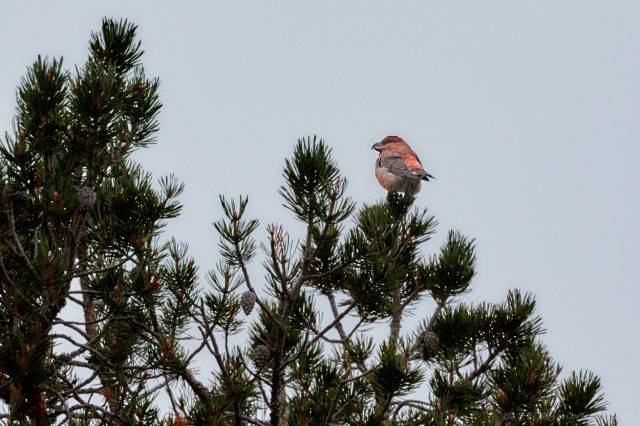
(329, 342)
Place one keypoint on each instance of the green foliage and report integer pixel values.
(524, 382)
(314, 190)
(450, 274)
(236, 243)
(580, 398)
(81, 225)
(459, 331)
(394, 375)
(454, 396)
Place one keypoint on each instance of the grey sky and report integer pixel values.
(526, 112)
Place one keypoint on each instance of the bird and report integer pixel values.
(398, 168)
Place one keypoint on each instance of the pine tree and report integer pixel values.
(321, 342)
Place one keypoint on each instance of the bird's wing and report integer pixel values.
(404, 165)
(395, 164)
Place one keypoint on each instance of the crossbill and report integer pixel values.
(398, 168)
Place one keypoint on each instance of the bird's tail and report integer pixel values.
(426, 176)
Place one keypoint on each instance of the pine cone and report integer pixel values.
(508, 417)
(86, 198)
(248, 301)
(261, 355)
(430, 343)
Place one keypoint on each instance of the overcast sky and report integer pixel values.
(526, 112)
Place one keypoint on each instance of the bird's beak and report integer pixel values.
(377, 146)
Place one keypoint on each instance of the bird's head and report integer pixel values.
(389, 140)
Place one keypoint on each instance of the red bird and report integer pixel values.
(398, 168)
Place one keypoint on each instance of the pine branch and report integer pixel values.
(95, 271)
(413, 403)
(225, 372)
(396, 315)
(320, 334)
(334, 402)
(344, 338)
(247, 280)
(193, 383)
(17, 246)
(485, 366)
